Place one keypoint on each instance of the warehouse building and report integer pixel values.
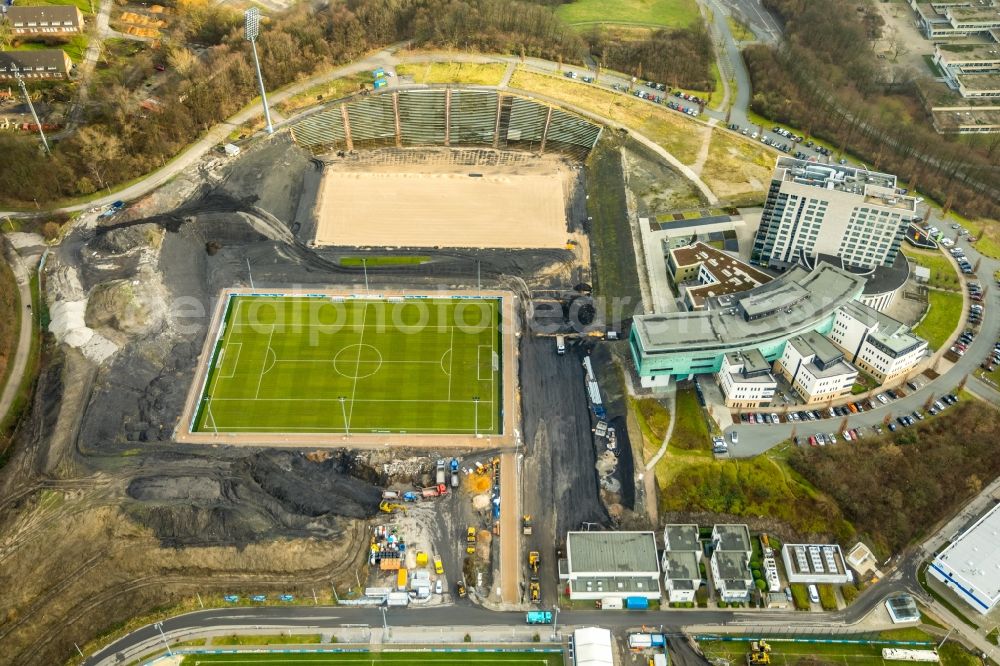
(603, 565)
(592, 646)
(970, 565)
(815, 563)
(811, 209)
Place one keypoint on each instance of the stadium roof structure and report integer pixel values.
(970, 565)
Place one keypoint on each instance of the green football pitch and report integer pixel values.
(374, 658)
(298, 364)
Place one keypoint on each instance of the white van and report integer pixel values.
(560, 344)
(813, 594)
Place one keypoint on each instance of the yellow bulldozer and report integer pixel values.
(533, 561)
(534, 590)
(759, 654)
(389, 507)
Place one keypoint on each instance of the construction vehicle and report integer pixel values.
(539, 617)
(526, 525)
(421, 558)
(454, 473)
(759, 654)
(533, 561)
(388, 507)
(434, 491)
(534, 590)
(460, 588)
(470, 540)
(438, 566)
(440, 478)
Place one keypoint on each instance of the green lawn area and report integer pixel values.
(74, 47)
(420, 365)
(691, 428)
(988, 233)
(364, 658)
(787, 653)
(943, 274)
(934, 69)
(765, 485)
(325, 92)
(485, 74)
(672, 131)
(942, 318)
(86, 6)
(384, 260)
(673, 13)
(615, 272)
(272, 639)
(653, 419)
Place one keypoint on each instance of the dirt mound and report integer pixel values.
(124, 239)
(315, 489)
(266, 494)
(132, 307)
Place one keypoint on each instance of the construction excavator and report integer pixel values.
(759, 654)
(390, 507)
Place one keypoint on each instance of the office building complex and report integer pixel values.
(876, 343)
(746, 380)
(680, 344)
(812, 209)
(816, 369)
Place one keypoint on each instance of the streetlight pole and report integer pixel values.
(250, 273)
(343, 410)
(385, 624)
(38, 123)
(475, 402)
(364, 265)
(251, 26)
(159, 627)
(555, 622)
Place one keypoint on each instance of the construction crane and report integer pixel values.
(389, 507)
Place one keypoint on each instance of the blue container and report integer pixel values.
(636, 603)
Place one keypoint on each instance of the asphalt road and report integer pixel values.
(755, 439)
(22, 353)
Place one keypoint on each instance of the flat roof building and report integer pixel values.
(715, 273)
(876, 343)
(815, 368)
(681, 575)
(966, 119)
(857, 215)
(815, 563)
(984, 85)
(970, 565)
(681, 537)
(732, 538)
(600, 565)
(680, 344)
(746, 380)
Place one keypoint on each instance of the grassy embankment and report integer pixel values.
(736, 168)
(473, 73)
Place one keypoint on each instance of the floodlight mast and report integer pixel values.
(251, 27)
(27, 97)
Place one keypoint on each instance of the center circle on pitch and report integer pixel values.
(357, 361)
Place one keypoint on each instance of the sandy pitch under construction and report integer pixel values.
(488, 210)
